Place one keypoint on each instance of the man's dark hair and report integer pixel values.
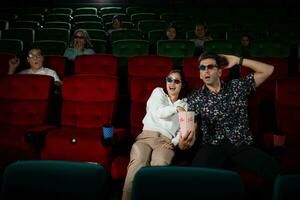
(220, 60)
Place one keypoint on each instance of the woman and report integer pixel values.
(156, 144)
(79, 45)
(171, 32)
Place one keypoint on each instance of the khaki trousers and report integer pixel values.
(146, 151)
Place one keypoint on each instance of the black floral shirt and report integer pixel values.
(224, 115)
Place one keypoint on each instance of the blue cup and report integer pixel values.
(108, 132)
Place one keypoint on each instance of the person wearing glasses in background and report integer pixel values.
(80, 45)
(36, 61)
(221, 113)
(155, 146)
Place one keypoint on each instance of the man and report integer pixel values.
(221, 108)
(35, 60)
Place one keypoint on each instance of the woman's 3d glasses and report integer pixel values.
(170, 79)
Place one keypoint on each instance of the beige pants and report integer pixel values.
(146, 151)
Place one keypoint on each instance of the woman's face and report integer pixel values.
(79, 40)
(116, 24)
(171, 33)
(173, 84)
(245, 41)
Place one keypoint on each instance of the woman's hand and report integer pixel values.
(180, 109)
(13, 64)
(79, 45)
(168, 145)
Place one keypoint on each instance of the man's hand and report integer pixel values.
(186, 142)
(232, 60)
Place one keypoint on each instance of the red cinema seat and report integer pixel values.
(88, 104)
(25, 103)
(57, 63)
(150, 66)
(101, 64)
(4, 65)
(287, 104)
(141, 89)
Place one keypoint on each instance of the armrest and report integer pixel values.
(36, 135)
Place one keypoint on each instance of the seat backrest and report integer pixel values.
(129, 48)
(57, 63)
(43, 179)
(51, 47)
(88, 100)
(287, 187)
(125, 34)
(4, 62)
(149, 66)
(58, 34)
(101, 64)
(222, 47)
(140, 91)
(175, 48)
(287, 103)
(190, 183)
(12, 46)
(25, 99)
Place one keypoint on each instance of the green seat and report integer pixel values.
(32, 17)
(55, 24)
(59, 34)
(110, 9)
(88, 25)
(99, 46)
(51, 47)
(135, 9)
(155, 35)
(85, 10)
(42, 179)
(125, 24)
(177, 183)
(108, 17)
(24, 34)
(26, 24)
(125, 34)
(135, 18)
(58, 17)
(12, 46)
(130, 47)
(147, 25)
(222, 47)
(287, 187)
(67, 11)
(97, 34)
(86, 17)
(177, 49)
(270, 49)
(4, 24)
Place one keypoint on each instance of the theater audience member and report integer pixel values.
(36, 62)
(80, 45)
(201, 37)
(155, 145)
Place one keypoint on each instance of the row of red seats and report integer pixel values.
(89, 101)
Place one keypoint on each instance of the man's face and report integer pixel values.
(200, 31)
(35, 59)
(209, 72)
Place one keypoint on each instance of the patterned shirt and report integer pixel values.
(224, 115)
